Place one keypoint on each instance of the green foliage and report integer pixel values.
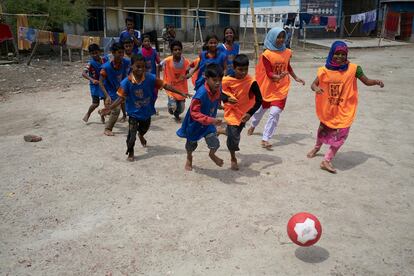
(60, 11)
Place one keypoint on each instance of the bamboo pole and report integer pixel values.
(256, 44)
(245, 28)
(37, 43)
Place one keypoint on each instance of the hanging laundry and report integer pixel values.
(58, 39)
(21, 41)
(331, 26)
(28, 35)
(369, 27)
(392, 23)
(74, 41)
(88, 40)
(43, 37)
(316, 20)
(370, 16)
(324, 21)
(5, 33)
(290, 21)
(357, 17)
(304, 17)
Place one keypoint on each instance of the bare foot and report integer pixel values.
(219, 162)
(108, 132)
(189, 164)
(266, 145)
(142, 140)
(131, 158)
(85, 118)
(234, 165)
(102, 119)
(250, 131)
(313, 152)
(327, 166)
(123, 119)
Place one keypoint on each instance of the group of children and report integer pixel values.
(220, 75)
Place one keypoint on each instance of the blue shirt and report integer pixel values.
(219, 59)
(114, 77)
(230, 54)
(125, 35)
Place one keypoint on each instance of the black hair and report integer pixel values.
(116, 46)
(240, 60)
(146, 36)
(137, 57)
(210, 36)
(129, 19)
(127, 40)
(93, 47)
(176, 43)
(213, 71)
(224, 33)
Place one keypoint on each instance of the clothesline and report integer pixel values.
(151, 13)
(20, 14)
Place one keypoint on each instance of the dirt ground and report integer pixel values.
(72, 205)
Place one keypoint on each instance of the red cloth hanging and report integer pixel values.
(5, 33)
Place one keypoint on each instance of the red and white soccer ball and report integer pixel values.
(304, 229)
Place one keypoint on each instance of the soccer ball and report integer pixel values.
(304, 229)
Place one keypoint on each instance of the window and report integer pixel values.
(202, 20)
(95, 20)
(224, 20)
(173, 20)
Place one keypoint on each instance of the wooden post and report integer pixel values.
(384, 17)
(304, 37)
(199, 27)
(196, 23)
(70, 54)
(143, 17)
(61, 54)
(245, 27)
(256, 44)
(36, 44)
(104, 17)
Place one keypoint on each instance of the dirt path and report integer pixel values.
(72, 204)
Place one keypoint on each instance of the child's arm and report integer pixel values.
(102, 86)
(296, 78)
(269, 71)
(196, 115)
(157, 63)
(367, 81)
(174, 90)
(107, 109)
(255, 90)
(315, 87)
(85, 75)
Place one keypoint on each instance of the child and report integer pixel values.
(176, 73)
(128, 49)
(138, 92)
(242, 98)
(92, 73)
(229, 48)
(112, 73)
(200, 120)
(150, 55)
(211, 55)
(131, 34)
(336, 101)
(272, 75)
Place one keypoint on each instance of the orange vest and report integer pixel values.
(336, 106)
(272, 90)
(176, 77)
(238, 89)
(195, 75)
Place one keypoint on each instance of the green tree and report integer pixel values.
(60, 11)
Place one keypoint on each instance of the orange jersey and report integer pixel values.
(176, 77)
(272, 90)
(195, 75)
(336, 106)
(238, 89)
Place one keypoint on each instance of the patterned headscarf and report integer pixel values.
(270, 40)
(330, 63)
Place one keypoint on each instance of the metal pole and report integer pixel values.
(256, 44)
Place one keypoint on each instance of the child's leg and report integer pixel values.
(190, 146)
(326, 163)
(180, 106)
(271, 125)
(172, 105)
(316, 148)
(113, 117)
(143, 127)
(213, 144)
(131, 138)
(124, 115)
(92, 107)
(233, 141)
(256, 119)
